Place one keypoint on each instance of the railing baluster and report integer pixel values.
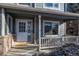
(45, 42)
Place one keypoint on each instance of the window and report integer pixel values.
(56, 5)
(51, 5)
(50, 28)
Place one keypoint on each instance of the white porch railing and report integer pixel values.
(70, 39)
(51, 42)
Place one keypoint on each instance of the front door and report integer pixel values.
(24, 30)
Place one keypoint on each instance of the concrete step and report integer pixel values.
(21, 43)
(22, 51)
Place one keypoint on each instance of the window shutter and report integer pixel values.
(62, 29)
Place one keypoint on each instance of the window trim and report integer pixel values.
(35, 5)
(52, 22)
(52, 7)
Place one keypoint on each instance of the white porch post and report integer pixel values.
(3, 21)
(39, 17)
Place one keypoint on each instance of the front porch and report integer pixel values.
(43, 35)
(44, 29)
(66, 32)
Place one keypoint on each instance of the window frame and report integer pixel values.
(51, 22)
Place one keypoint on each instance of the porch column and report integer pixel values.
(39, 17)
(3, 21)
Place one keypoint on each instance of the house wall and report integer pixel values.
(0, 22)
(72, 27)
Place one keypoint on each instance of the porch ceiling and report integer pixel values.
(19, 14)
(12, 8)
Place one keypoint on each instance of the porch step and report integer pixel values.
(21, 43)
(22, 51)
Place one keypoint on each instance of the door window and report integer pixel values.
(22, 26)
